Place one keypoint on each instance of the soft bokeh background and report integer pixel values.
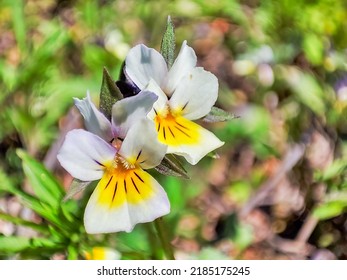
(277, 190)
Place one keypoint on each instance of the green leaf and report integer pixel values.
(41, 180)
(109, 94)
(307, 89)
(335, 169)
(72, 252)
(54, 216)
(44, 243)
(330, 209)
(41, 208)
(6, 183)
(19, 22)
(22, 222)
(211, 253)
(168, 43)
(134, 242)
(14, 244)
(218, 115)
(313, 46)
(171, 166)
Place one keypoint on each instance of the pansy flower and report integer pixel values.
(185, 93)
(102, 253)
(117, 153)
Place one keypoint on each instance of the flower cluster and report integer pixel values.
(144, 127)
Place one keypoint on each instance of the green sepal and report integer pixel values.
(109, 94)
(171, 166)
(218, 115)
(76, 187)
(168, 44)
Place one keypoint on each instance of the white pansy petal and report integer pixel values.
(141, 145)
(94, 120)
(143, 63)
(184, 63)
(200, 143)
(161, 103)
(85, 155)
(195, 94)
(129, 110)
(120, 202)
(111, 254)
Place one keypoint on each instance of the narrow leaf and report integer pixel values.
(44, 243)
(171, 166)
(45, 186)
(335, 169)
(6, 183)
(19, 22)
(14, 244)
(40, 207)
(109, 94)
(330, 210)
(22, 222)
(218, 115)
(168, 43)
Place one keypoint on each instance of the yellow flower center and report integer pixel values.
(175, 130)
(123, 182)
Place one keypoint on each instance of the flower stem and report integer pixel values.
(160, 227)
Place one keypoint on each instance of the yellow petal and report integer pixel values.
(124, 185)
(176, 130)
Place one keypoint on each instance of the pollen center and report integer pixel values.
(175, 130)
(124, 182)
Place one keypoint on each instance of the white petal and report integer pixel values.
(161, 103)
(143, 64)
(129, 110)
(101, 216)
(193, 153)
(111, 254)
(195, 94)
(141, 145)
(94, 120)
(184, 63)
(85, 155)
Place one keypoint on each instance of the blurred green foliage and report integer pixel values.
(275, 60)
